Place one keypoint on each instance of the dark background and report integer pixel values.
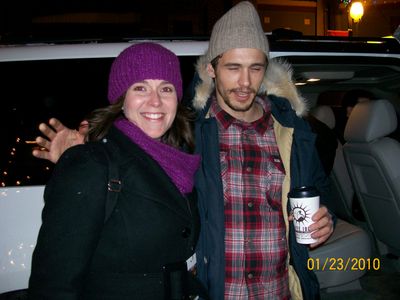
(109, 18)
(52, 20)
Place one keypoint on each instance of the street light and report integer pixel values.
(356, 11)
(355, 14)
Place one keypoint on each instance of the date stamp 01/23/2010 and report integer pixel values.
(343, 264)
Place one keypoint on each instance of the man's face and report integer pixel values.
(238, 76)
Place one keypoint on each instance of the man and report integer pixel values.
(254, 149)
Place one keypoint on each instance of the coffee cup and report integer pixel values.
(304, 203)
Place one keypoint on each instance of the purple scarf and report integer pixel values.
(178, 165)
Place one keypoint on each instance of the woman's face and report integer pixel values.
(151, 105)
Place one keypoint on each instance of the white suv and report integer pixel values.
(67, 80)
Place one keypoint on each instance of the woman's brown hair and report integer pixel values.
(180, 135)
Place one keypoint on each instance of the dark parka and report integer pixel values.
(78, 256)
(296, 144)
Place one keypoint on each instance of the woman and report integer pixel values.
(139, 248)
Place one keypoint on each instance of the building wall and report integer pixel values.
(296, 15)
(315, 17)
(378, 20)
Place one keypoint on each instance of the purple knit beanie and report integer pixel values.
(143, 61)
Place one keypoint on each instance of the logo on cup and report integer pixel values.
(301, 214)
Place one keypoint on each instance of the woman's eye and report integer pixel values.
(167, 89)
(139, 88)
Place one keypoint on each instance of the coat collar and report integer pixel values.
(130, 158)
(277, 81)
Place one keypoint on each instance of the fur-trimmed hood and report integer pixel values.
(277, 81)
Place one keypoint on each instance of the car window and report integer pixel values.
(68, 89)
(334, 75)
(34, 91)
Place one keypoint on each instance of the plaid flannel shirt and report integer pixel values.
(255, 239)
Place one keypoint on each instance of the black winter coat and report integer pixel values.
(78, 256)
(305, 170)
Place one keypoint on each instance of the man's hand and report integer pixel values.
(58, 139)
(323, 226)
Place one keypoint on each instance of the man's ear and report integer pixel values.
(210, 71)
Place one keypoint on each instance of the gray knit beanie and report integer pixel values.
(240, 27)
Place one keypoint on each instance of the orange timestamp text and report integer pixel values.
(343, 264)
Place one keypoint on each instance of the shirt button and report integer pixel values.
(249, 169)
(205, 260)
(250, 204)
(250, 276)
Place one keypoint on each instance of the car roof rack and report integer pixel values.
(290, 40)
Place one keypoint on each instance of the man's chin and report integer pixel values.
(241, 109)
(241, 106)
